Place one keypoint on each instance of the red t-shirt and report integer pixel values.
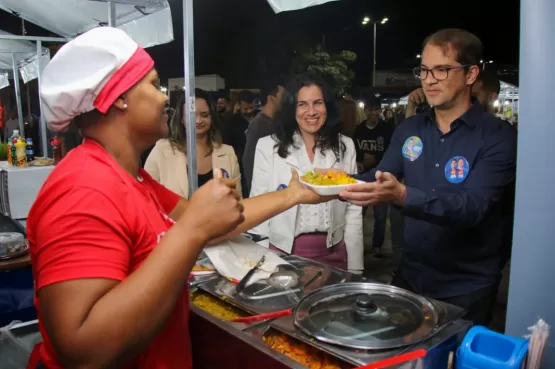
(92, 219)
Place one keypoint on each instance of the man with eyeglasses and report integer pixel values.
(486, 90)
(457, 219)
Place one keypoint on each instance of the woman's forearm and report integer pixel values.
(261, 208)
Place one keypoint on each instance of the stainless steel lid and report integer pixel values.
(283, 289)
(367, 316)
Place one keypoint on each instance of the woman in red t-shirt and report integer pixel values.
(109, 262)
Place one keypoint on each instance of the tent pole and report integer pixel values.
(111, 14)
(18, 95)
(42, 122)
(190, 113)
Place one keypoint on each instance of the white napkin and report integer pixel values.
(235, 257)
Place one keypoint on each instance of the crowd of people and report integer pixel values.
(119, 241)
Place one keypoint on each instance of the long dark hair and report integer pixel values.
(328, 136)
(178, 135)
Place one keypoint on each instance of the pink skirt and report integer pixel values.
(313, 246)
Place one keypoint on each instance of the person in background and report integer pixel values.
(486, 89)
(167, 162)
(389, 117)
(349, 117)
(264, 124)
(372, 139)
(225, 111)
(399, 115)
(236, 132)
(223, 105)
(104, 235)
(417, 100)
(246, 105)
(457, 230)
(308, 137)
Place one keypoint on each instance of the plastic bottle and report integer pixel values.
(29, 150)
(14, 152)
(21, 155)
(56, 149)
(11, 148)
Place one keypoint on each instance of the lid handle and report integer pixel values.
(366, 303)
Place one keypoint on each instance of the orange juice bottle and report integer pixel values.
(21, 153)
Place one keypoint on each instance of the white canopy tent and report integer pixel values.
(148, 22)
(4, 80)
(25, 55)
(287, 5)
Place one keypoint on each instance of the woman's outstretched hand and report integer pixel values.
(305, 195)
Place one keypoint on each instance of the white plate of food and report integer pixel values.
(329, 184)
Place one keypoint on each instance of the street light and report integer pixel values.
(365, 21)
(418, 56)
(484, 63)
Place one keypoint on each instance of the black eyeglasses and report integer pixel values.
(439, 73)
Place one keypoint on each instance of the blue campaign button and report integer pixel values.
(456, 169)
(412, 148)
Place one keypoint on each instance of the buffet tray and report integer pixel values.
(450, 329)
(315, 274)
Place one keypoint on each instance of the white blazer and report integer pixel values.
(271, 170)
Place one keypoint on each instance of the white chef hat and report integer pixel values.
(90, 72)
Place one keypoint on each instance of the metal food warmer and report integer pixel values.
(339, 320)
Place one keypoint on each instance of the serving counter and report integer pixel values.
(338, 321)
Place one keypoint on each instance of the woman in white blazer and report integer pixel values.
(307, 138)
(167, 162)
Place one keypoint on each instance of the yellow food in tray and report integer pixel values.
(332, 178)
(216, 307)
(41, 162)
(307, 355)
(202, 268)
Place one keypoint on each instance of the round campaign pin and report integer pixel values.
(456, 169)
(412, 148)
(225, 174)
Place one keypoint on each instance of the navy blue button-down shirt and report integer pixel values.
(459, 204)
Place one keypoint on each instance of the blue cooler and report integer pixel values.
(485, 349)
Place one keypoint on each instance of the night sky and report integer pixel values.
(244, 41)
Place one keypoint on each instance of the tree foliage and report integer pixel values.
(335, 68)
